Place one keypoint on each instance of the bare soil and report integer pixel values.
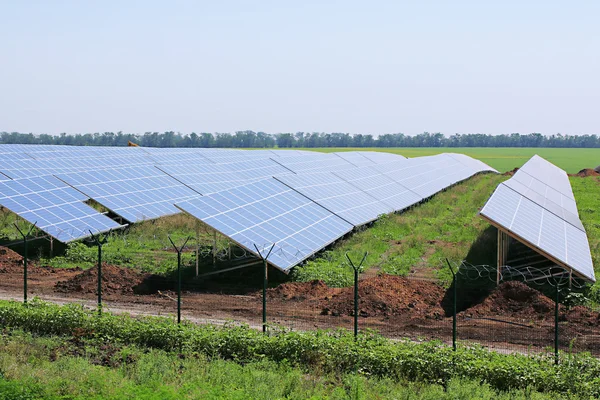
(513, 316)
(584, 173)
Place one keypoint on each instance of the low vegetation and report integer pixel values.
(65, 348)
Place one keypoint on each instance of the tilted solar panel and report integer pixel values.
(134, 193)
(266, 213)
(54, 207)
(317, 162)
(537, 211)
(380, 187)
(207, 179)
(338, 196)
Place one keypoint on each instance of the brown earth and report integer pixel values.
(585, 173)
(514, 299)
(299, 291)
(511, 172)
(115, 280)
(388, 295)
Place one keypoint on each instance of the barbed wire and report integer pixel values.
(552, 275)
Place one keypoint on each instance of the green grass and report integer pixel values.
(145, 246)
(446, 226)
(503, 159)
(71, 352)
(67, 367)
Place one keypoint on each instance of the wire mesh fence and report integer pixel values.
(525, 310)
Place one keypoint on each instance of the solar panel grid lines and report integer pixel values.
(217, 177)
(134, 193)
(54, 207)
(525, 207)
(269, 212)
(338, 196)
(380, 187)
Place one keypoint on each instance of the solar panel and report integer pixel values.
(207, 179)
(380, 187)
(380, 157)
(355, 158)
(338, 196)
(266, 213)
(134, 193)
(318, 162)
(525, 207)
(55, 207)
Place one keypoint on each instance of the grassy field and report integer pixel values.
(67, 367)
(503, 159)
(68, 352)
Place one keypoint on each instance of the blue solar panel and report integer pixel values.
(266, 213)
(524, 206)
(338, 196)
(55, 207)
(207, 179)
(135, 193)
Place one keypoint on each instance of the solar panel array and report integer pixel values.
(134, 183)
(538, 207)
(346, 196)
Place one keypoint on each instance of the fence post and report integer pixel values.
(179, 250)
(25, 258)
(356, 271)
(265, 283)
(454, 300)
(99, 242)
(556, 324)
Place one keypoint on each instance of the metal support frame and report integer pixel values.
(178, 250)
(356, 272)
(502, 254)
(197, 247)
(100, 241)
(265, 283)
(454, 301)
(25, 236)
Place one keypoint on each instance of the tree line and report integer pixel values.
(245, 139)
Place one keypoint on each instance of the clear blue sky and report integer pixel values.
(280, 66)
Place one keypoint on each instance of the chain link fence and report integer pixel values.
(205, 279)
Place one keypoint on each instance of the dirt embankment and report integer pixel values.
(514, 299)
(511, 172)
(584, 173)
(115, 280)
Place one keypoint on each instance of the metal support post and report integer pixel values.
(25, 236)
(265, 283)
(356, 272)
(454, 300)
(197, 247)
(100, 242)
(556, 299)
(179, 250)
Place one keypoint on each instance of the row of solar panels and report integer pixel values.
(303, 213)
(55, 199)
(27, 161)
(537, 207)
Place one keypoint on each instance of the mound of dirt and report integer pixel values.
(10, 260)
(511, 172)
(115, 280)
(388, 295)
(585, 173)
(583, 315)
(514, 299)
(299, 291)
